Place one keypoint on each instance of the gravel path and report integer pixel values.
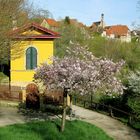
(112, 127)
(10, 115)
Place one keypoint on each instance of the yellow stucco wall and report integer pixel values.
(18, 58)
(31, 32)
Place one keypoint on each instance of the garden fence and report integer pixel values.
(11, 93)
(106, 109)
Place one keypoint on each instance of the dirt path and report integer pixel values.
(10, 115)
(112, 127)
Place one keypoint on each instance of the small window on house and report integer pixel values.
(31, 58)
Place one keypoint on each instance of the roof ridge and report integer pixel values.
(33, 24)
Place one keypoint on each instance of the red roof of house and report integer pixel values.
(52, 22)
(76, 22)
(47, 33)
(95, 24)
(73, 21)
(81, 24)
(117, 30)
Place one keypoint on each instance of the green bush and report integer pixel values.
(50, 108)
(3, 77)
(134, 90)
(116, 50)
(44, 108)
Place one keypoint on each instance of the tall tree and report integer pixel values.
(134, 92)
(71, 34)
(12, 14)
(116, 50)
(37, 15)
(67, 20)
(80, 72)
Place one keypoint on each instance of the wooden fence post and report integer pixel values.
(130, 120)
(110, 111)
(84, 104)
(91, 100)
(75, 100)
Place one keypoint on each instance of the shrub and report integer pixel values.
(134, 90)
(32, 99)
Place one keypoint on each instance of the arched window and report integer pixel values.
(31, 58)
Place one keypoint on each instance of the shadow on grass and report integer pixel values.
(57, 124)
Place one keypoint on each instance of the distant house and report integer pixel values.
(83, 28)
(51, 24)
(76, 23)
(135, 35)
(98, 26)
(120, 32)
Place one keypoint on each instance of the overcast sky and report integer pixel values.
(88, 11)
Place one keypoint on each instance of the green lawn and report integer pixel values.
(49, 130)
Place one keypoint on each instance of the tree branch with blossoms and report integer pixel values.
(80, 71)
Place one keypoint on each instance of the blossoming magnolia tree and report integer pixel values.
(81, 73)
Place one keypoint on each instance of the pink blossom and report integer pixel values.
(83, 73)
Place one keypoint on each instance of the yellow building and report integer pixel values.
(31, 46)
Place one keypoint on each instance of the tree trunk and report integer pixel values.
(63, 119)
(70, 107)
(64, 109)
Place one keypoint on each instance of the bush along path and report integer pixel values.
(114, 128)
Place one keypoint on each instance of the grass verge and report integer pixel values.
(50, 130)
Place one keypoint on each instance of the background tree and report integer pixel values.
(134, 93)
(67, 20)
(37, 15)
(116, 50)
(81, 73)
(13, 14)
(70, 34)
(99, 46)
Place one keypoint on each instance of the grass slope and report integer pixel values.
(49, 130)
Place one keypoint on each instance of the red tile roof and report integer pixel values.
(47, 33)
(95, 24)
(117, 30)
(52, 22)
(76, 22)
(81, 24)
(73, 21)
